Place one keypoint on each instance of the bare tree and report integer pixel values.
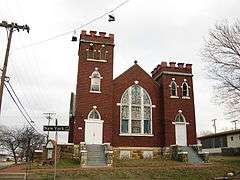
(30, 141)
(10, 140)
(221, 52)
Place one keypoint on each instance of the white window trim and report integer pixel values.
(128, 134)
(94, 109)
(90, 77)
(100, 121)
(130, 114)
(180, 122)
(97, 60)
(174, 97)
(186, 97)
(173, 81)
(188, 87)
(97, 92)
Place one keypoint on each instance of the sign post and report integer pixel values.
(55, 128)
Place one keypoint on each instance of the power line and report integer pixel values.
(68, 32)
(20, 102)
(15, 102)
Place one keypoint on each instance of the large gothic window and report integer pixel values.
(95, 81)
(136, 111)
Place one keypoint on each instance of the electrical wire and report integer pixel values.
(68, 32)
(15, 102)
(20, 102)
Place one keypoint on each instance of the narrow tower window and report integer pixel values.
(185, 89)
(95, 81)
(173, 88)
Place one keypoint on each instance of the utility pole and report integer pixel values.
(215, 130)
(214, 125)
(10, 29)
(55, 154)
(235, 122)
(49, 117)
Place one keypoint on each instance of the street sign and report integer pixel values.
(55, 128)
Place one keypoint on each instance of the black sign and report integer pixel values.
(55, 128)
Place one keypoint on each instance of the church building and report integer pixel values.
(134, 111)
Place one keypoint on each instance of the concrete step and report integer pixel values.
(95, 155)
(192, 155)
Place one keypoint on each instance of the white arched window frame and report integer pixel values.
(94, 115)
(180, 118)
(185, 90)
(136, 112)
(95, 86)
(173, 89)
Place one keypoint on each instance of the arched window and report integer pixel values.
(173, 87)
(136, 111)
(185, 89)
(94, 115)
(180, 118)
(95, 81)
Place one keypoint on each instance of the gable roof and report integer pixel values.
(139, 68)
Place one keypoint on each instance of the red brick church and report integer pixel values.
(135, 110)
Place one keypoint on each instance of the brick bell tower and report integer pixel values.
(94, 93)
(177, 103)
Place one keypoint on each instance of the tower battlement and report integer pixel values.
(171, 67)
(95, 36)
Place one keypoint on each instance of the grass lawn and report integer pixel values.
(149, 169)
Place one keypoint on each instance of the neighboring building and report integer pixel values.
(215, 142)
(134, 110)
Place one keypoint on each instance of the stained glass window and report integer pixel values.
(136, 94)
(147, 112)
(147, 126)
(185, 89)
(136, 126)
(125, 112)
(124, 126)
(136, 111)
(125, 98)
(94, 114)
(146, 99)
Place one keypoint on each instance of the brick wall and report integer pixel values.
(163, 74)
(86, 100)
(123, 82)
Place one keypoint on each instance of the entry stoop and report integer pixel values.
(193, 156)
(96, 155)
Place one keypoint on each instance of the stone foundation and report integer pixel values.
(136, 152)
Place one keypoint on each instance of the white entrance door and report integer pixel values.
(93, 131)
(181, 134)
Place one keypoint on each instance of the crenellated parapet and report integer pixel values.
(171, 67)
(98, 37)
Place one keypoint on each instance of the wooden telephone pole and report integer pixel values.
(235, 123)
(10, 29)
(49, 117)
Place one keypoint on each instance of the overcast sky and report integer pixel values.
(43, 75)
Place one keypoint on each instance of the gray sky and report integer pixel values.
(151, 31)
